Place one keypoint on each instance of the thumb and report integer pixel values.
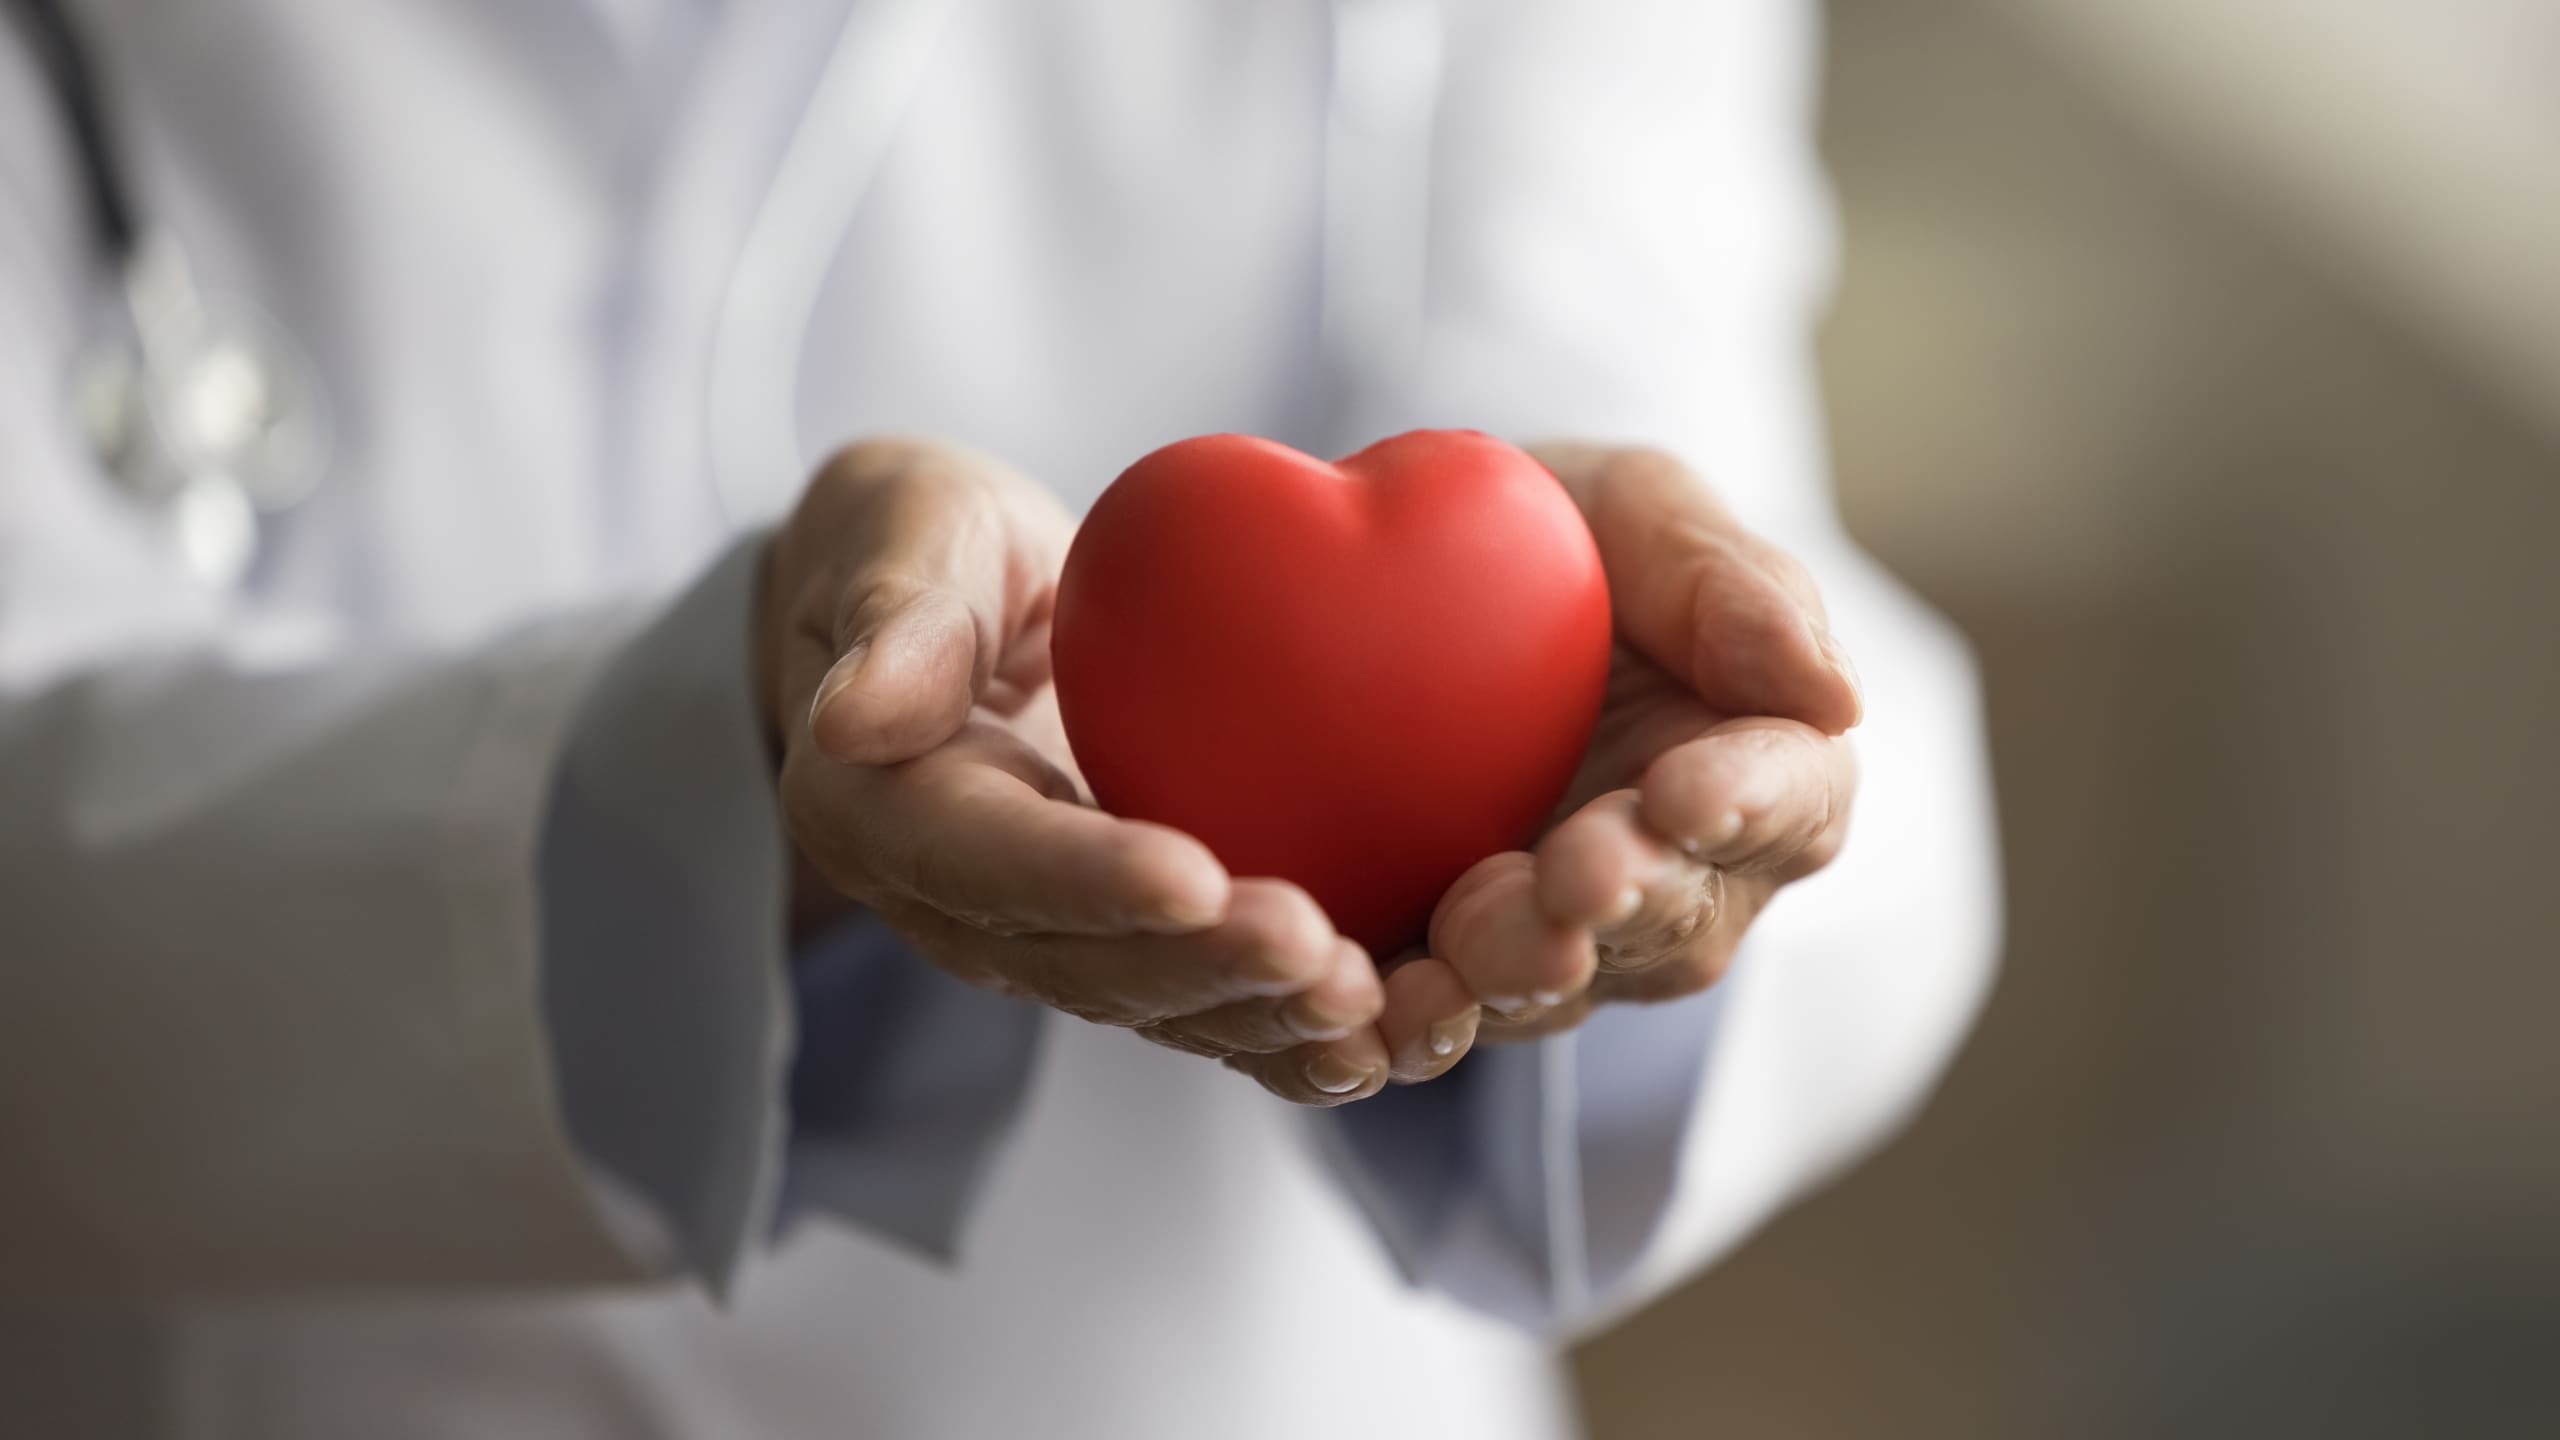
(906, 677)
(922, 611)
(1734, 617)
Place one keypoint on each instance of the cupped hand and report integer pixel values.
(1718, 772)
(903, 669)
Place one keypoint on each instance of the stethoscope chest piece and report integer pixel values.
(204, 414)
(202, 411)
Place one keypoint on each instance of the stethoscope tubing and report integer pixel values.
(1371, 250)
(73, 73)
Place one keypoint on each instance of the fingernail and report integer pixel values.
(1629, 900)
(1308, 1021)
(1726, 830)
(1505, 1004)
(838, 677)
(1445, 1038)
(1334, 1075)
(1547, 998)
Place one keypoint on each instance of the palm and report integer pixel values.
(1712, 776)
(1644, 712)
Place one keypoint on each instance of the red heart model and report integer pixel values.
(1363, 677)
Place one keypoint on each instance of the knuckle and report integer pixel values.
(1789, 572)
(1784, 749)
(1724, 594)
(1277, 930)
(812, 607)
(1063, 974)
(1683, 972)
(1175, 1036)
(1279, 1080)
(1667, 927)
(1644, 468)
(892, 481)
(1460, 917)
(866, 601)
(1818, 854)
(871, 460)
(1253, 1027)
(1627, 954)
(1059, 979)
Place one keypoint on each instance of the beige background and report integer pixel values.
(2252, 507)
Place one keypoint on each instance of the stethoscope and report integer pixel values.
(211, 419)
(201, 410)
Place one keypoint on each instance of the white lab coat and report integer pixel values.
(268, 972)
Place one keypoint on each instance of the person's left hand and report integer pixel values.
(1717, 774)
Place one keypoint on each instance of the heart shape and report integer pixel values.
(1363, 677)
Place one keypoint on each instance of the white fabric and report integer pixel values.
(268, 999)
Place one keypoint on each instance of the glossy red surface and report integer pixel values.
(1363, 676)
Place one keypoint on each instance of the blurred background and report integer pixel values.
(2201, 358)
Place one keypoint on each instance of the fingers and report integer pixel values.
(910, 667)
(1332, 1072)
(1592, 867)
(1425, 1022)
(1733, 616)
(1251, 990)
(1271, 989)
(1643, 900)
(908, 602)
(1507, 951)
(1429, 1019)
(1345, 997)
(1273, 944)
(1668, 876)
(1320, 1047)
(1754, 796)
(922, 577)
(985, 831)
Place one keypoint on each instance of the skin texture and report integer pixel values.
(1717, 775)
(902, 661)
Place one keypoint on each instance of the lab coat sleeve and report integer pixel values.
(661, 869)
(269, 999)
(672, 1011)
(1623, 236)
(908, 1086)
(268, 979)
(338, 960)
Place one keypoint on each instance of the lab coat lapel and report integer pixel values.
(723, 115)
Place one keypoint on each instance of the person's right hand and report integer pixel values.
(903, 668)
